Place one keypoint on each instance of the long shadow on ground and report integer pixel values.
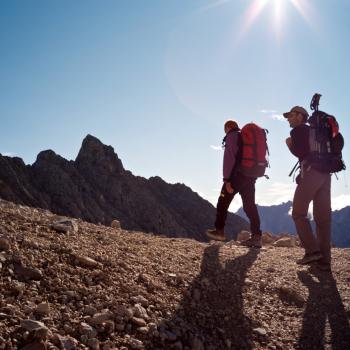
(211, 314)
(324, 303)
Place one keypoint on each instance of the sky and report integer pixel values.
(157, 79)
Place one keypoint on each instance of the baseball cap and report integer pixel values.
(297, 109)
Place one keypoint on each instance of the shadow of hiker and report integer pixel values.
(211, 314)
(324, 303)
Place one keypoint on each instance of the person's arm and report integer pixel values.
(230, 154)
(299, 141)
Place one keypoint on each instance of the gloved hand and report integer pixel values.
(229, 187)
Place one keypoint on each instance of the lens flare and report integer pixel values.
(257, 6)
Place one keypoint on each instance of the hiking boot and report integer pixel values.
(309, 258)
(217, 235)
(255, 241)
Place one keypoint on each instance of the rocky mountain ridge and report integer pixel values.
(97, 188)
(70, 285)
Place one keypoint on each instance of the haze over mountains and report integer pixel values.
(97, 188)
(277, 219)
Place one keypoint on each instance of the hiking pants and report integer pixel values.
(314, 186)
(245, 186)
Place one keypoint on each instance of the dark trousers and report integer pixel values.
(245, 186)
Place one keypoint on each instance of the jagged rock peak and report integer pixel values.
(92, 142)
(94, 152)
(48, 156)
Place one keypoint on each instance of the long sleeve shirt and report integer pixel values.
(300, 141)
(230, 154)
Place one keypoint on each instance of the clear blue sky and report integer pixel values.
(156, 79)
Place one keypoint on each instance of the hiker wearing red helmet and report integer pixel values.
(235, 182)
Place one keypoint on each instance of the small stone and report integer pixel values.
(115, 224)
(38, 329)
(86, 329)
(32, 325)
(66, 343)
(138, 321)
(291, 296)
(140, 312)
(260, 331)
(18, 287)
(27, 273)
(93, 344)
(248, 282)
(65, 226)
(101, 317)
(85, 261)
(130, 312)
(267, 238)
(143, 330)
(90, 310)
(140, 300)
(84, 339)
(288, 242)
(4, 244)
(243, 235)
(136, 344)
(43, 309)
(109, 327)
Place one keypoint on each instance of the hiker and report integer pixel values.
(312, 185)
(235, 182)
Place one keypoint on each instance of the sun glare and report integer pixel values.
(278, 7)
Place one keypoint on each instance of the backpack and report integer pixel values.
(253, 150)
(326, 143)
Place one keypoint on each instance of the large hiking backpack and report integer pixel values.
(254, 150)
(325, 141)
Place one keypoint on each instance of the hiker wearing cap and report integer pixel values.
(235, 182)
(312, 185)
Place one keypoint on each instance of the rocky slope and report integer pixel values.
(75, 285)
(97, 188)
(277, 219)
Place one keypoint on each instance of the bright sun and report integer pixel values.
(257, 6)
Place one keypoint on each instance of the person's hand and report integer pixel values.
(289, 142)
(229, 187)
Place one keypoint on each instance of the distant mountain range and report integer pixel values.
(277, 219)
(97, 188)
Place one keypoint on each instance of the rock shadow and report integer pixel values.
(324, 303)
(211, 314)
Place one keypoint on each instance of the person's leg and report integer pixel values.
(247, 192)
(322, 217)
(304, 194)
(222, 206)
